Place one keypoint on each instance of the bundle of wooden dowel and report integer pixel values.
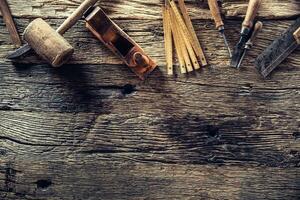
(179, 30)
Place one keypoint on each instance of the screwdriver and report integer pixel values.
(215, 11)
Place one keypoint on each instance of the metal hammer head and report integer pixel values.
(47, 43)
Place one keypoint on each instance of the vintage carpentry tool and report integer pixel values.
(47, 43)
(113, 37)
(215, 11)
(7, 17)
(193, 36)
(168, 39)
(67, 24)
(257, 28)
(246, 32)
(279, 50)
(178, 25)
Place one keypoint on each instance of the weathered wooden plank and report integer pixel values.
(94, 88)
(95, 131)
(138, 9)
(95, 179)
(164, 134)
(148, 34)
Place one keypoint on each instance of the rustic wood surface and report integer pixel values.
(93, 130)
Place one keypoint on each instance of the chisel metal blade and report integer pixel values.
(237, 55)
(240, 47)
(19, 52)
(280, 49)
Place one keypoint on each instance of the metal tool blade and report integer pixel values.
(280, 49)
(240, 47)
(241, 59)
(19, 52)
(226, 43)
(237, 55)
(269, 68)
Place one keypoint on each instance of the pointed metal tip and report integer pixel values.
(226, 44)
(19, 52)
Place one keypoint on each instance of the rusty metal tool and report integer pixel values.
(246, 32)
(7, 17)
(67, 24)
(114, 38)
(257, 28)
(279, 50)
(215, 11)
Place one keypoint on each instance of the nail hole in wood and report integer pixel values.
(128, 89)
(43, 184)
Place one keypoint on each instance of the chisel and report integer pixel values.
(215, 11)
(257, 28)
(246, 32)
(67, 24)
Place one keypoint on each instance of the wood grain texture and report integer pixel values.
(138, 9)
(131, 180)
(93, 130)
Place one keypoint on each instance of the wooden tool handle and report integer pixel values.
(251, 13)
(215, 11)
(75, 16)
(10, 23)
(257, 28)
(297, 35)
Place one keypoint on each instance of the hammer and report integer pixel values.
(48, 43)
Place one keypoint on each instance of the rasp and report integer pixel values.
(67, 24)
(279, 50)
(246, 32)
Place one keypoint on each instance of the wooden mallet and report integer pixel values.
(48, 43)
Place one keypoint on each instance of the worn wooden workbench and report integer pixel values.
(92, 130)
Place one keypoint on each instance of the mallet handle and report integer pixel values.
(75, 16)
(10, 23)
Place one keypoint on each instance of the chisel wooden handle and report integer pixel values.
(75, 16)
(251, 13)
(215, 11)
(297, 35)
(10, 23)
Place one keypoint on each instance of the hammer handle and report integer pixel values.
(75, 16)
(10, 23)
(215, 11)
(251, 13)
